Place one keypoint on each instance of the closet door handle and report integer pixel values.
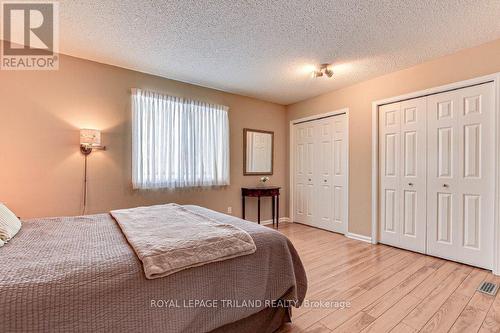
(446, 185)
(410, 184)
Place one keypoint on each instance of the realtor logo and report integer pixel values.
(30, 35)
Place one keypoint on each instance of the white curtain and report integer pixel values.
(178, 142)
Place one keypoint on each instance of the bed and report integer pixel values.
(79, 274)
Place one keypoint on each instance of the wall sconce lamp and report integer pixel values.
(324, 69)
(90, 139)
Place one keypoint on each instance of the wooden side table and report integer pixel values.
(258, 192)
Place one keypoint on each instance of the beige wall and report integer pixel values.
(41, 168)
(465, 64)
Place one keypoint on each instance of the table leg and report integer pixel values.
(277, 211)
(274, 208)
(243, 206)
(258, 209)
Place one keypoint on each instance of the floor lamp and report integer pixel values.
(90, 139)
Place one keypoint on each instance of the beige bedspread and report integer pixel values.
(79, 274)
(169, 238)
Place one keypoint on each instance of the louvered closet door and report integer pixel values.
(461, 185)
(403, 174)
(305, 140)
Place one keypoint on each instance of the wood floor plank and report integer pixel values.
(390, 319)
(312, 316)
(318, 328)
(388, 300)
(356, 275)
(474, 314)
(426, 287)
(447, 314)
(403, 328)
(373, 294)
(492, 321)
(419, 316)
(351, 284)
(356, 324)
(389, 289)
(346, 263)
(334, 289)
(369, 314)
(472, 317)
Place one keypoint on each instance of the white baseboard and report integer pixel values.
(359, 237)
(266, 222)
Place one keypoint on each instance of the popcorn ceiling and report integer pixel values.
(261, 48)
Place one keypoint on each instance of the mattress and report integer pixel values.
(79, 274)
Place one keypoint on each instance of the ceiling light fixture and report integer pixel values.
(324, 69)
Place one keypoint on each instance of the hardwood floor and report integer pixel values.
(387, 289)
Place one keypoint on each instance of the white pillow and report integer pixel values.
(9, 224)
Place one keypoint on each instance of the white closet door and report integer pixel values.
(413, 199)
(321, 173)
(331, 189)
(323, 161)
(461, 175)
(304, 172)
(402, 146)
(340, 179)
(390, 157)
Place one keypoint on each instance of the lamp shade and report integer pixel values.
(90, 137)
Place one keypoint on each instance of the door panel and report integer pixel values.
(321, 173)
(304, 150)
(410, 213)
(338, 204)
(410, 154)
(391, 209)
(472, 218)
(444, 217)
(339, 180)
(332, 179)
(445, 152)
(325, 210)
(413, 178)
(461, 175)
(391, 154)
(390, 151)
(338, 158)
(323, 160)
(309, 200)
(403, 185)
(472, 149)
(437, 179)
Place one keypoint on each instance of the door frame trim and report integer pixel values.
(495, 79)
(291, 142)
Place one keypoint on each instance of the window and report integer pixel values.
(178, 142)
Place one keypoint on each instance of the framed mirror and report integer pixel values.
(258, 152)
